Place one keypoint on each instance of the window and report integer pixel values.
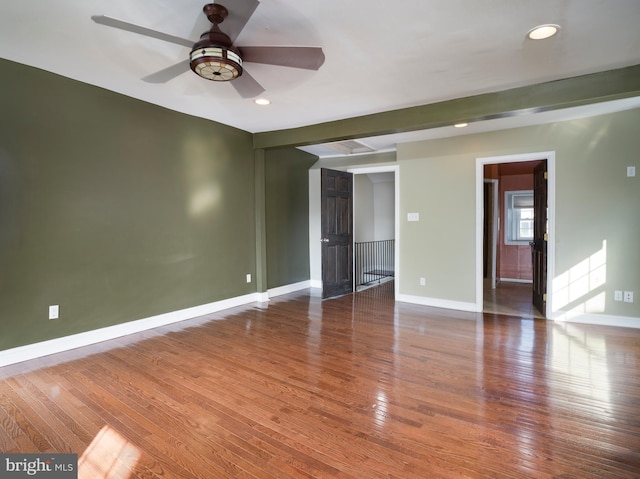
(519, 223)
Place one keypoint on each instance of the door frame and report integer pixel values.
(539, 244)
(550, 156)
(495, 220)
(395, 169)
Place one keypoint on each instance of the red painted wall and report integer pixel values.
(515, 260)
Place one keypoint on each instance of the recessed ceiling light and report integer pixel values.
(460, 125)
(543, 31)
(262, 101)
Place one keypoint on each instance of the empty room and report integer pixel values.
(334, 240)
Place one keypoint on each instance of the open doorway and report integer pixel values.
(508, 286)
(358, 214)
(375, 204)
(513, 224)
(316, 220)
(374, 229)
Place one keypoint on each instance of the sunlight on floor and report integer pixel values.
(109, 456)
(581, 356)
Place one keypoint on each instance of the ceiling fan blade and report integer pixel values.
(308, 58)
(247, 86)
(168, 73)
(130, 27)
(239, 13)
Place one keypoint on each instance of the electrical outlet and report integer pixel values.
(423, 282)
(628, 296)
(617, 295)
(54, 311)
(249, 278)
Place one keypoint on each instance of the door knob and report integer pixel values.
(324, 240)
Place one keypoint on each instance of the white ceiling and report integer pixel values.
(380, 56)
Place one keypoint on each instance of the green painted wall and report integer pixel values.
(287, 215)
(113, 208)
(118, 210)
(597, 210)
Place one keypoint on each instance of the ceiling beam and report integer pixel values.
(570, 92)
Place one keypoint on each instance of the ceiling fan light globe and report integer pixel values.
(217, 63)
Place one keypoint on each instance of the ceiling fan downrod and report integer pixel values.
(214, 57)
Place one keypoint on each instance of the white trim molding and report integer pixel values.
(598, 319)
(66, 343)
(74, 341)
(516, 280)
(289, 288)
(439, 303)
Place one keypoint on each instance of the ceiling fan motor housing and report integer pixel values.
(214, 57)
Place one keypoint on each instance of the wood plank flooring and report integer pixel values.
(511, 298)
(354, 387)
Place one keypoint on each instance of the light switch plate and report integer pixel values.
(631, 171)
(413, 216)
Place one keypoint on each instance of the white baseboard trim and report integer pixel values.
(262, 297)
(289, 288)
(593, 318)
(66, 343)
(515, 280)
(316, 283)
(58, 345)
(438, 303)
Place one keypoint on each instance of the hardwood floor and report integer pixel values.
(510, 298)
(354, 387)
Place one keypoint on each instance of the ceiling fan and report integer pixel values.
(215, 57)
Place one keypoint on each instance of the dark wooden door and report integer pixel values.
(337, 232)
(540, 237)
